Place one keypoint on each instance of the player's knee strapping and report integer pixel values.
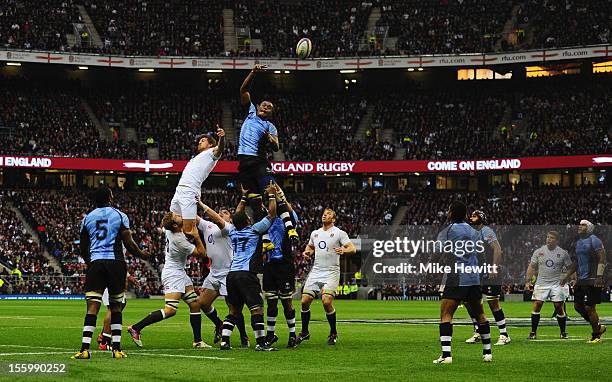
(190, 297)
(116, 298)
(271, 295)
(285, 295)
(172, 304)
(94, 297)
(310, 293)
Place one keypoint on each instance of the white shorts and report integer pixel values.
(175, 281)
(184, 202)
(105, 298)
(319, 281)
(215, 282)
(556, 293)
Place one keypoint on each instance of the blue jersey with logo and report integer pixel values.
(586, 253)
(277, 235)
(459, 234)
(252, 130)
(102, 226)
(245, 242)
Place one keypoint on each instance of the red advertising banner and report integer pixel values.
(342, 167)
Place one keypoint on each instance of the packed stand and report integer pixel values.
(158, 27)
(567, 23)
(566, 119)
(447, 26)
(37, 24)
(18, 249)
(166, 116)
(435, 125)
(336, 27)
(45, 120)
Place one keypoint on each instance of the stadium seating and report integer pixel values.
(567, 23)
(336, 26)
(18, 250)
(172, 116)
(448, 26)
(37, 24)
(158, 27)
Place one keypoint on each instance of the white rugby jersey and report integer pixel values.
(218, 246)
(551, 264)
(324, 243)
(177, 249)
(198, 169)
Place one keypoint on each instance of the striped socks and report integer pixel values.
(89, 326)
(446, 335)
(485, 334)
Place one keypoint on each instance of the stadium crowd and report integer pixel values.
(37, 24)
(448, 26)
(337, 28)
(567, 22)
(166, 116)
(158, 27)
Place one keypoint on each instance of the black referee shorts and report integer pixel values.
(102, 274)
(279, 276)
(243, 288)
(254, 173)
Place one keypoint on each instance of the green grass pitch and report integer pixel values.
(398, 349)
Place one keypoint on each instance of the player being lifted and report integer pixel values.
(254, 170)
(195, 173)
(589, 266)
(176, 282)
(102, 232)
(491, 283)
(243, 287)
(220, 252)
(327, 243)
(279, 275)
(549, 262)
(461, 286)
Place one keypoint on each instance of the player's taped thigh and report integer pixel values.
(190, 297)
(116, 298)
(491, 298)
(271, 295)
(285, 295)
(328, 293)
(310, 293)
(93, 296)
(172, 304)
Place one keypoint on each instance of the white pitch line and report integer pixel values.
(559, 340)
(37, 353)
(34, 347)
(179, 356)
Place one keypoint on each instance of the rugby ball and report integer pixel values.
(303, 48)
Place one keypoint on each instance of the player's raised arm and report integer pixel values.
(245, 96)
(218, 150)
(130, 244)
(271, 191)
(214, 216)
